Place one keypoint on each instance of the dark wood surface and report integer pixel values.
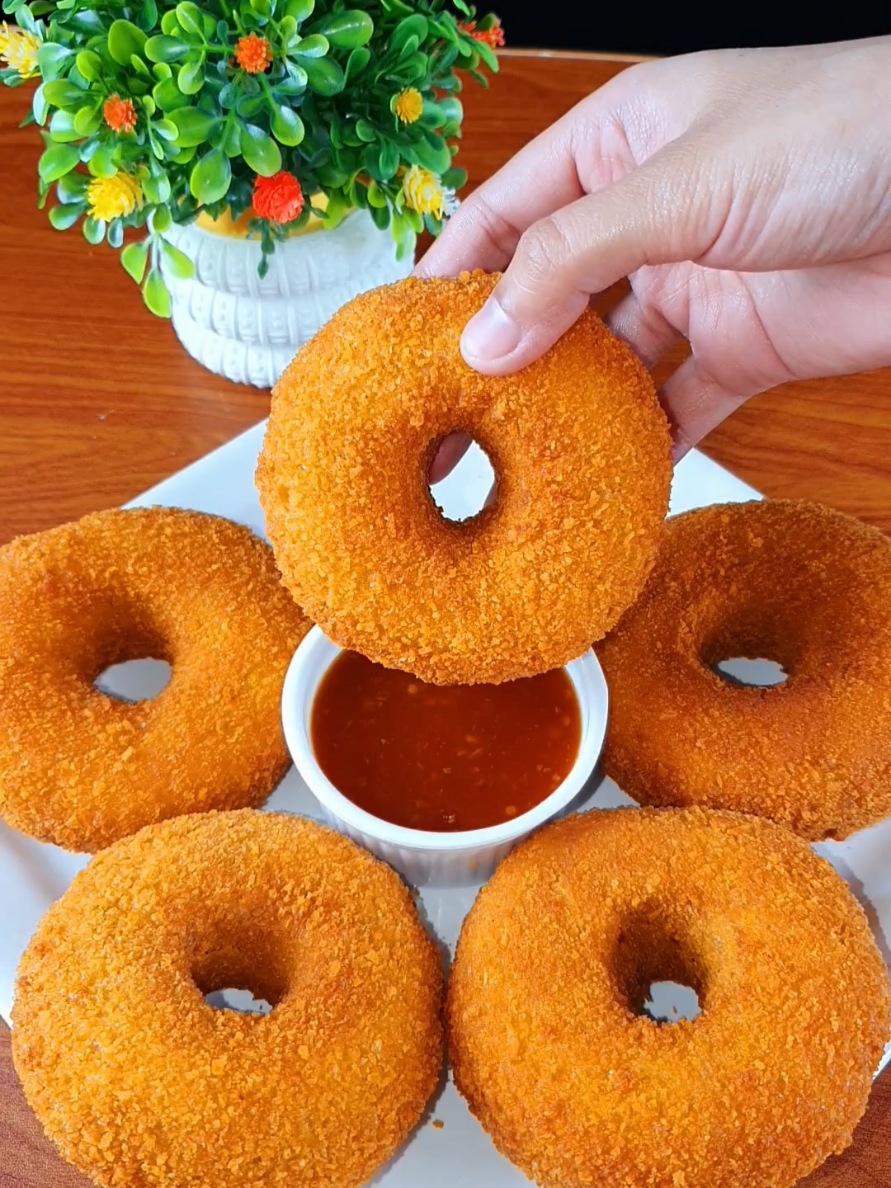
(99, 402)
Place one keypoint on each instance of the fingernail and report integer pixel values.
(490, 334)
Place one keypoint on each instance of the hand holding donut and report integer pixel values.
(744, 193)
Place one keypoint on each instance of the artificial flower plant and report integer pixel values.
(153, 112)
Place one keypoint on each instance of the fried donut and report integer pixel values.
(80, 768)
(792, 582)
(580, 449)
(577, 1086)
(139, 1081)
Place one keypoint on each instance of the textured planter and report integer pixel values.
(247, 328)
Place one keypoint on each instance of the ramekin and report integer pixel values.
(426, 858)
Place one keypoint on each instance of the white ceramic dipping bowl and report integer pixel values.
(426, 858)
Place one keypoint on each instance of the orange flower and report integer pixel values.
(493, 36)
(278, 198)
(253, 53)
(120, 114)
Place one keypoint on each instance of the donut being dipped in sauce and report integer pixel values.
(443, 758)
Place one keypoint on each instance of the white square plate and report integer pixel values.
(459, 1155)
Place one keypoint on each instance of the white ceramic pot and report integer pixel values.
(428, 858)
(248, 329)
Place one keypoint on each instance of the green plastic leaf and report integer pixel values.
(62, 93)
(156, 188)
(380, 216)
(165, 49)
(155, 295)
(191, 78)
(178, 263)
(139, 66)
(366, 131)
(356, 63)
(488, 55)
(455, 178)
(87, 119)
(166, 129)
(411, 26)
(262, 8)
(431, 153)
(260, 151)
(63, 217)
(62, 128)
(228, 96)
(388, 161)
(161, 220)
(94, 230)
(295, 82)
(376, 197)
(349, 29)
(210, 177)
(231, 139)
(104, 161)
(72, 187)
(412, 68)
(189, 19)
(299, 9)
(148, 15)
(134, 258)
(87, 21)
(323, 75)
(168, 96)
(39, 106)
(53, 59)
(124, 40)
(250, 105)
(148, 105)
(115, 233)
(89, 64)
(287, 126)
(314, 46)
(193, 126)
(57, 160)
(169, 24)
(161, 71)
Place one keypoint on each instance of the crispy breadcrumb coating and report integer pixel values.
(82, 769)
(792, 582)
(578, 1088)
(140, 1082)
(580, 448)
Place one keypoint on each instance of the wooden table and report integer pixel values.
(99, 402)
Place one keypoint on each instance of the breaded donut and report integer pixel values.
(82, 769)
(578, 1087)
(139, 1081)
(792, 582)
(580, 449)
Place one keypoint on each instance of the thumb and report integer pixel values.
(664, 211)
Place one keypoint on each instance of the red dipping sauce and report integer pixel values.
(443, 758)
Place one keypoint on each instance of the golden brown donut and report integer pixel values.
(577, 1087)
(792, 582)
(580, 448)
(82, 769)
(139, 1082)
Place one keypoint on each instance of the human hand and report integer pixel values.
(746, 195)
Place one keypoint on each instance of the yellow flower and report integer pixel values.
(18, 49)
(112, 197)
(426, 194)
(408, 105)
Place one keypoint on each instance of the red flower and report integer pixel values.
(278, 198)
(493, 36)
(120, 114)
(253, 53)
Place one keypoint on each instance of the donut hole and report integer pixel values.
(240, 1000)
(246, 977)
(669, 1002)
(140, 679)
(758, 673)
(467, 489)
(659, 973)
(755, 650)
